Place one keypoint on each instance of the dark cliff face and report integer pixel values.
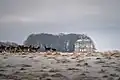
(62, 42)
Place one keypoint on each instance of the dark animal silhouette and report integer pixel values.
(47, 48)
(53, 49)
(18, 48)
(12, 49)
(7, 48)
(34, 48)
(2, 48)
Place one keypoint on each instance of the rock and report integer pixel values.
(46, 78)
(25, 65)
(57, 75)
(83, 74)
(22, 69)
(53, 70)
(102, 71)
(31, 57)
(9, 65)
(97, 62)
(5, 57)
(105, 65)
(114, 75)
(72, 69)
(44, 67)
(80, 61)
(86, 64)
(112, 63)
(2, 70)
(98, 58)
(78, 65)
(65, 61)
(105, 76)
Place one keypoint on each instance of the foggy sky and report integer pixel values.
(99, 19)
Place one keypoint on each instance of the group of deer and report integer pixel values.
(23, 48)
(19, 48)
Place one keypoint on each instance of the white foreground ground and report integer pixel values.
(36, 66)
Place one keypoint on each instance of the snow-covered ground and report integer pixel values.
(37, 66)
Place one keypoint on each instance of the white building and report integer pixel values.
(84, 44)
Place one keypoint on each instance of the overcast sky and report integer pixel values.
(99, 19)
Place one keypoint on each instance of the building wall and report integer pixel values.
(84, 46)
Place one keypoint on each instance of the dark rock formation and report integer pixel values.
(61, 42)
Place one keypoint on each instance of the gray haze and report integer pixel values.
(99, 19)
